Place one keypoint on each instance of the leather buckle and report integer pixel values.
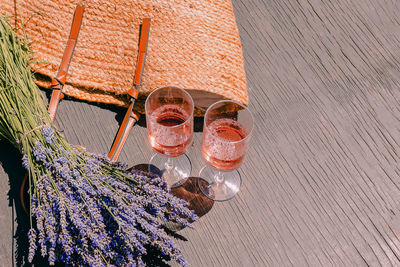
(135, 115)
(57, 83)
(133, 93)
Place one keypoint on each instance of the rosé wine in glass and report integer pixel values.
(171, 136)
(219, 147)
(169, 117)
(226, 137)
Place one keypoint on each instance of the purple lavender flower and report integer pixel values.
(48, 134)
(40, 152)
(32, 244)
(92, 212)
(25, 162)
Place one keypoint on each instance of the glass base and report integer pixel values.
(173, 171)
(219, 188)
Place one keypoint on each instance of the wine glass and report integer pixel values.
(169, 117)
(226, 136)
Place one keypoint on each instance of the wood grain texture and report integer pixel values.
(321, 184)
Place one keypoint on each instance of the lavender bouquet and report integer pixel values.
(84, 209)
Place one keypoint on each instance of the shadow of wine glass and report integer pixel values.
(145, 167)
(189, 191)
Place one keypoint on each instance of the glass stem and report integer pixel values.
(169, 164)
(219, 177)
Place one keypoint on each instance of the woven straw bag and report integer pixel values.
(194, 45)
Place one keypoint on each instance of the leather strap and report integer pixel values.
(57, 83)
(131, 117)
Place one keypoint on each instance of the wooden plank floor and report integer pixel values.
(321, 183)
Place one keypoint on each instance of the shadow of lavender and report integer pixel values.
(10, 159)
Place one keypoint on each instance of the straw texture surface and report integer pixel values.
(194, 45)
